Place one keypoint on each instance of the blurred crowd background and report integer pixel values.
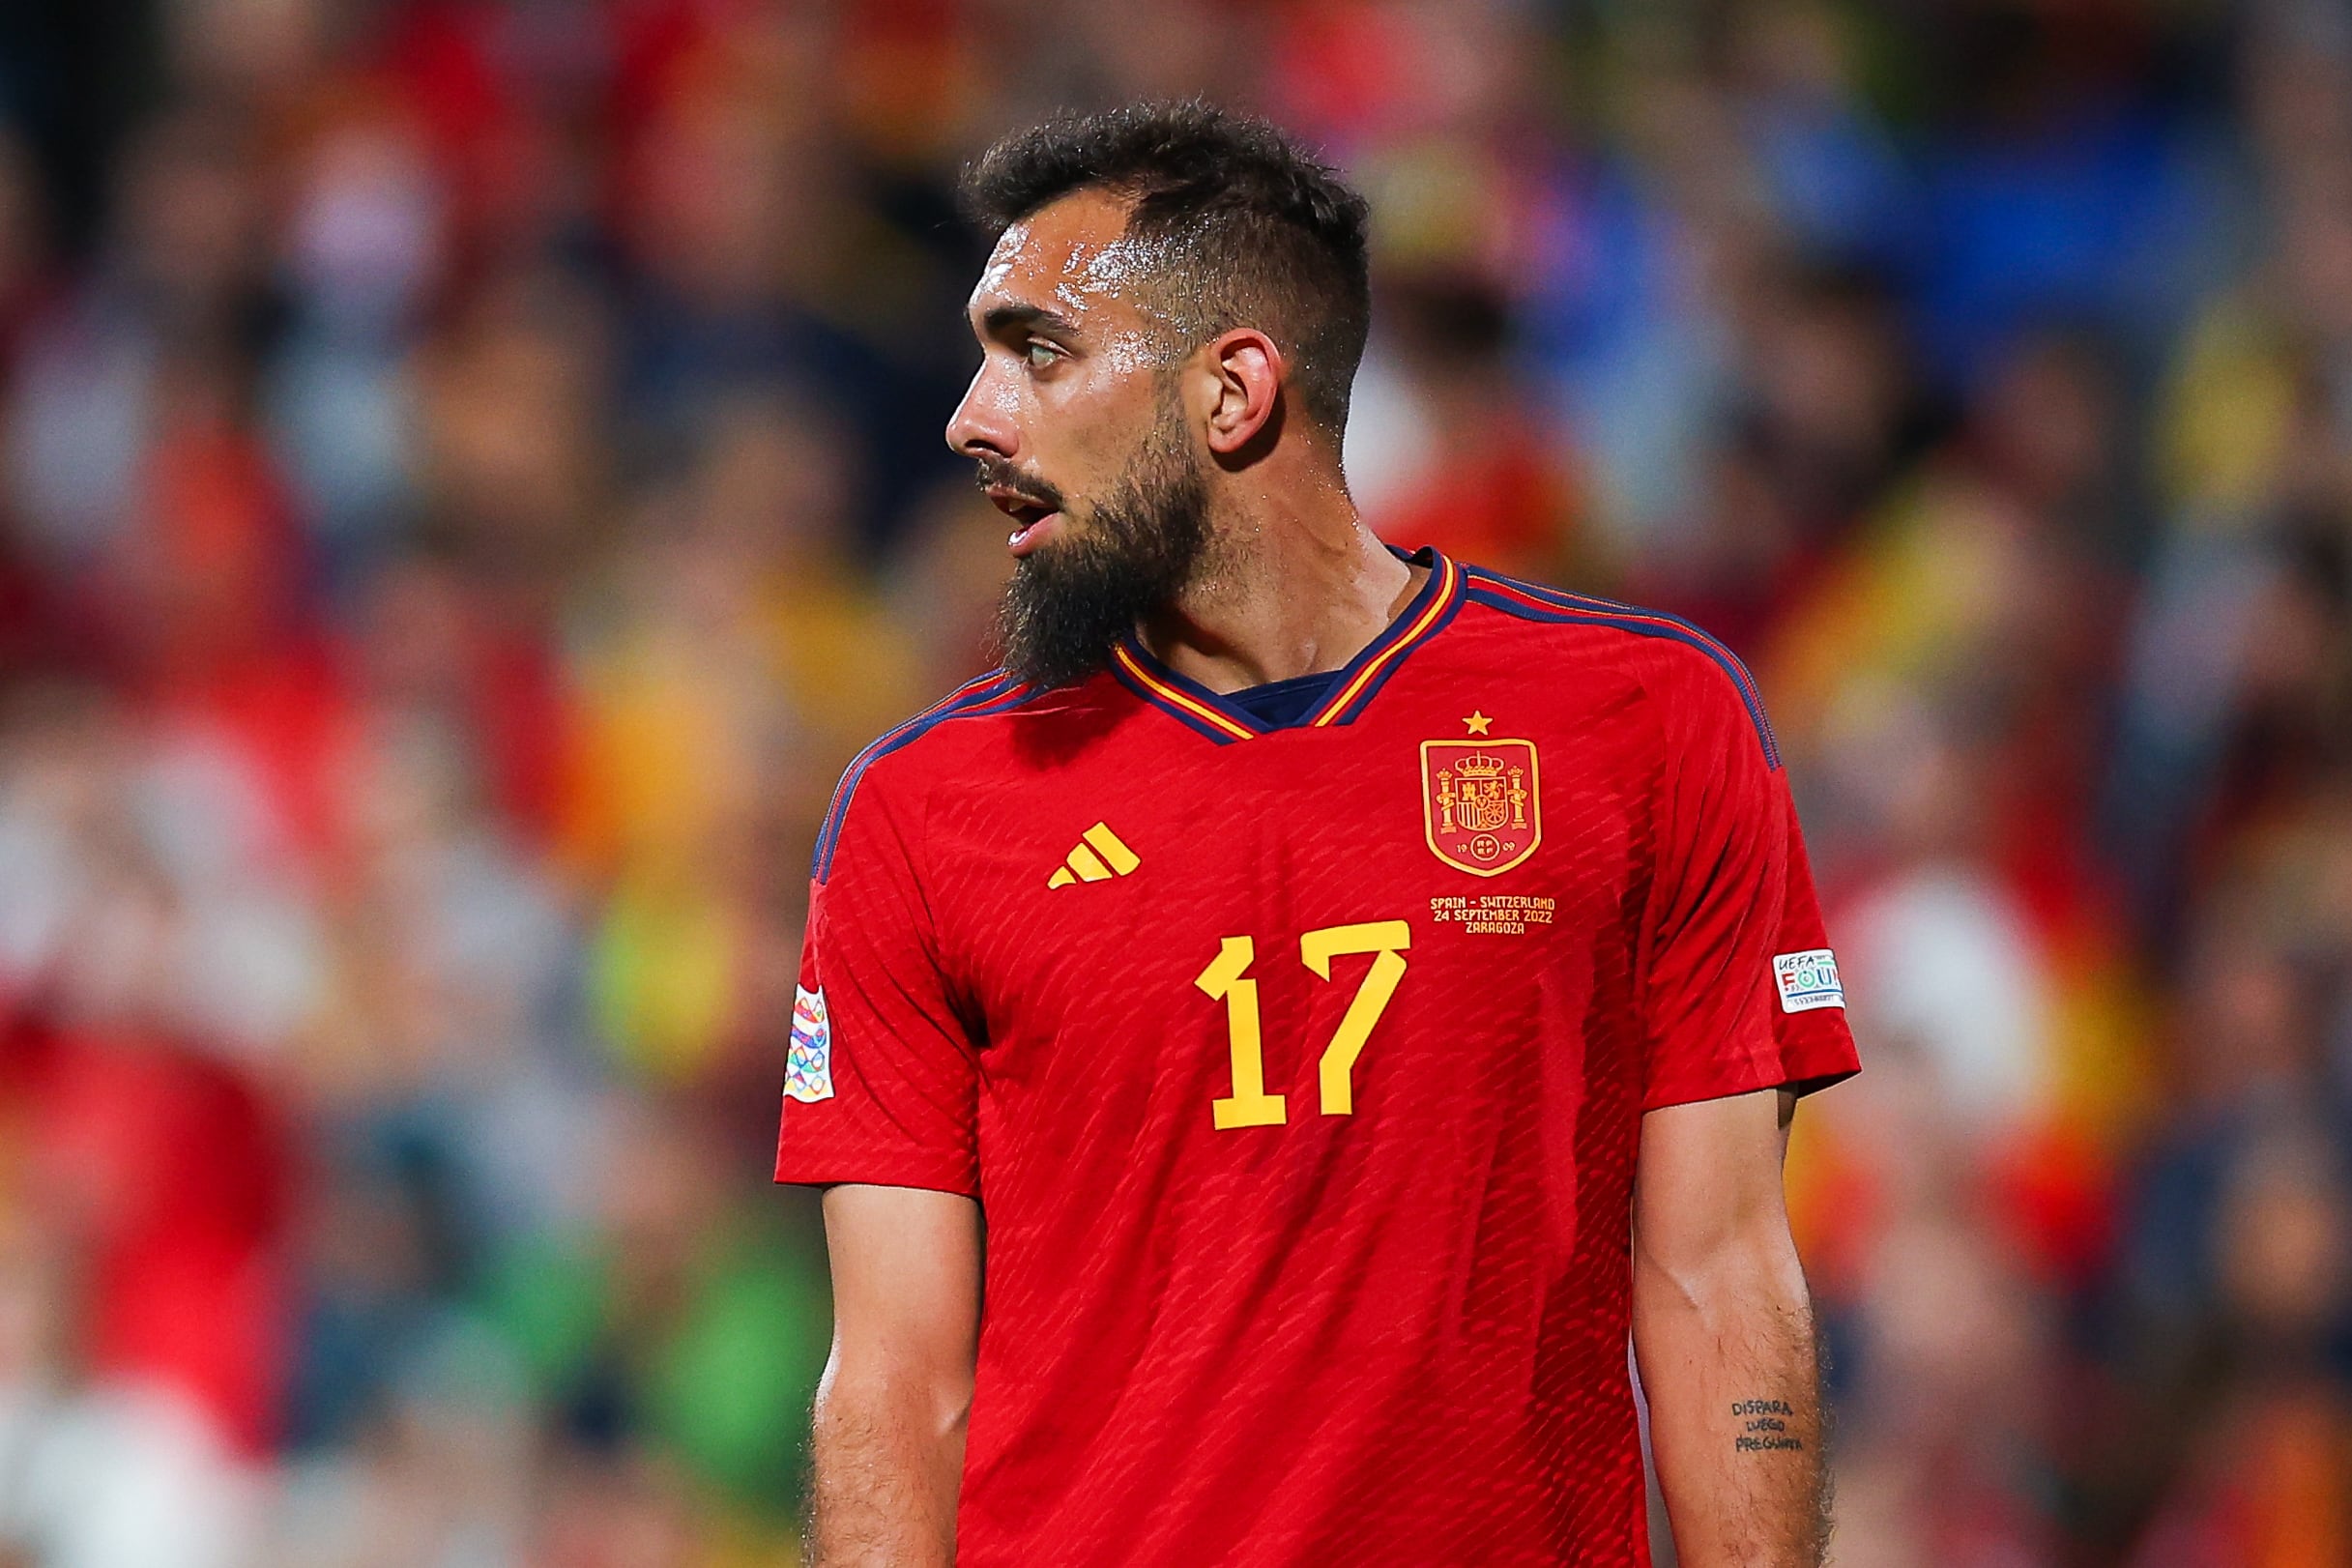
(470, 475)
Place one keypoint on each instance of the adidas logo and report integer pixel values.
(1098, 857)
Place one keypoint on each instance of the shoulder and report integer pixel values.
(1694, 681)
(894, 772)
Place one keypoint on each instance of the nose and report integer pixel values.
(982, 423)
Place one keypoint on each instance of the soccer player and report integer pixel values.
(1357, 989)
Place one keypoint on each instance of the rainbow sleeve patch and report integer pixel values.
(808, 1070)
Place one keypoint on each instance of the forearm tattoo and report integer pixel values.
(1765, 1426)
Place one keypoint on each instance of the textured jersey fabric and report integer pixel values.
(1299, 1070)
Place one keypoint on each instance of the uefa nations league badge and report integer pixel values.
(808, 1068)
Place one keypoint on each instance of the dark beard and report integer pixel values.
(1072, 600)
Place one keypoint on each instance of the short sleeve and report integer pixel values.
(1739, 988)
(882, 1081)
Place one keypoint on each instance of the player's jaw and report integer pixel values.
(1087, 573)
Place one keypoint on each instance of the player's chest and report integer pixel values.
(1407, 868)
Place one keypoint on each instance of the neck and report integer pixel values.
(1300, 586)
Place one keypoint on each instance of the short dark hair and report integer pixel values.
(1253, 229)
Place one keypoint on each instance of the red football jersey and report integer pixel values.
(1299, 1070)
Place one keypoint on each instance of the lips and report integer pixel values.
(1037, 518)
(1020, 508)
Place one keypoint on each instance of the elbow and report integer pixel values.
(928, 1403)
(1756, 1268)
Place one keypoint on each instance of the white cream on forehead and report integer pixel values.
(1091, 272)
(1000, 259)
(1099, 272)
(1122, 267)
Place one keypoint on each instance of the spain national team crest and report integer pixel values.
(1479, 804)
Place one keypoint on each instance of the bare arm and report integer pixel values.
(1722, 1330)
(891, 1409)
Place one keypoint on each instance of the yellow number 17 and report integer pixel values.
(1250, 1105)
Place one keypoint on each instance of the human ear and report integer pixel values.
(1242, 386)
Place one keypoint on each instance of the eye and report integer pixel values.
(1040, 354)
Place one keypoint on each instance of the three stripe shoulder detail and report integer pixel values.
(1532, 601)
(996, 692)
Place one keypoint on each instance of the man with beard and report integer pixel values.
(1357, 989)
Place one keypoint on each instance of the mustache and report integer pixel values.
(997, 474)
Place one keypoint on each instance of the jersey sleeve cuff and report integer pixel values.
(1800, 1073)
(903, 1169)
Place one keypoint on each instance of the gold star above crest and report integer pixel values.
(1477, 722)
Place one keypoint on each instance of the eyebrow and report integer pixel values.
(1003, 319)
